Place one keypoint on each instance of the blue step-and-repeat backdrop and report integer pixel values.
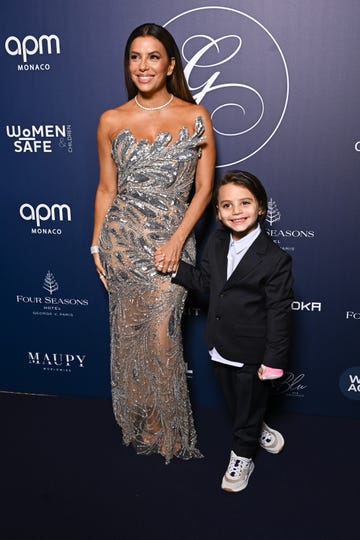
(282, 82)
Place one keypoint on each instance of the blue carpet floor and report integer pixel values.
(66, 475)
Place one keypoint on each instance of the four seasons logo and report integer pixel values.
(280, 235)
(51, 305)
(50, 285)
(273, 213)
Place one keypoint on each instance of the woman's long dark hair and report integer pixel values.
(176, 83)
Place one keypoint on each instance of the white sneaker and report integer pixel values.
(271, 440)
(237, 474)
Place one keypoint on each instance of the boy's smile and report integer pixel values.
(238, 209)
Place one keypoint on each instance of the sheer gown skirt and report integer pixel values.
(148, 373)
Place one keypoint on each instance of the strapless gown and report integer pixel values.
(148, 373)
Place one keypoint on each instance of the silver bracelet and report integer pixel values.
(94, 249)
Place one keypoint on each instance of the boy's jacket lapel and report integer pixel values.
(251, 259)
(221, 251)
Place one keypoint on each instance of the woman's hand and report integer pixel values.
(100, 270)
(167, 256)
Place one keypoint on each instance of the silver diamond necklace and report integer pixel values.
(154, 108)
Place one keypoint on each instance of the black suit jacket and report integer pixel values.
(249, 314)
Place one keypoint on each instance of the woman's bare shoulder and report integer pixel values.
(202, 111)
(192, 111)
(113, 120)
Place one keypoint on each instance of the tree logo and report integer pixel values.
(273, 215)
(50, 284)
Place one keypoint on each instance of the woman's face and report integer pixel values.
(149, 64)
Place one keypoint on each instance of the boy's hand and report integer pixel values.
(267, 373)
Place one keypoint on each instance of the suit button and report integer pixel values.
(218, 318)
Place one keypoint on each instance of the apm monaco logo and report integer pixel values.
(224, 68)
(29, 46)
(290, 385)
(357, 146)
(42, 213)
(40, 138)
(283, 236)
(349, 383)
(51, 305)
(63, 362)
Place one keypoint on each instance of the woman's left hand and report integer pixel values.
(167, 256)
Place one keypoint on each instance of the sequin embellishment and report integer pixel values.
(148, 374)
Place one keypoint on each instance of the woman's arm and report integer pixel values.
(167, 257)
(107, 187)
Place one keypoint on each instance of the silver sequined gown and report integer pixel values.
(148, 373)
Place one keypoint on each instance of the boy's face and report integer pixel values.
(238, 210)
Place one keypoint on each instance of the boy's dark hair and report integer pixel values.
(176, 82)
(250, 182)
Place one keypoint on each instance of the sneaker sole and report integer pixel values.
(273, 450)
(230, 487)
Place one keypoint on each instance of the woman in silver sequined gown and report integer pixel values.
(149, 157)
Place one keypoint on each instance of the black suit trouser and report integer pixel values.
(246, 397)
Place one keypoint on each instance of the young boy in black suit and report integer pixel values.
(249, 279)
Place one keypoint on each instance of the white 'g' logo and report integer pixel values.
(238, 71)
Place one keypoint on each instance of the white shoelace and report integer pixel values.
(237, 465)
